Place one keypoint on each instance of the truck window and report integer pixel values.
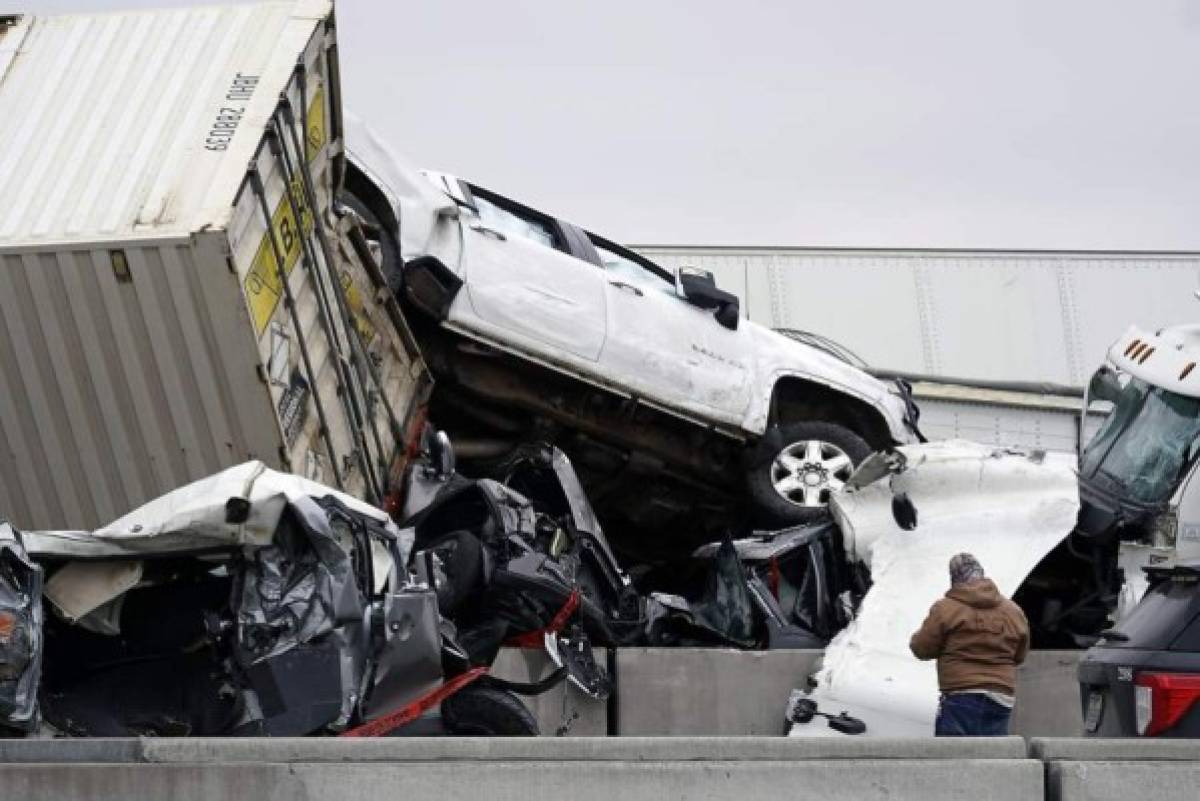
(509, 220)
(624, 266)
(1146, 443)
(1164, 614)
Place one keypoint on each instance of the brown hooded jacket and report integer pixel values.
(977, 636)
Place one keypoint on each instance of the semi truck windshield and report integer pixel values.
(1146, 443)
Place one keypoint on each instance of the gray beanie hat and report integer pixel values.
(964, 567)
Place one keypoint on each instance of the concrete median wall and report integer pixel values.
(600, 769)
(706, 691)
(713, 691)
(1100, 770)
(1048, 696)
(580, 769)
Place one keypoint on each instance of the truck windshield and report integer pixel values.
(1146, 443)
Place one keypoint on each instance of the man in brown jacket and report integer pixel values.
(978, 638)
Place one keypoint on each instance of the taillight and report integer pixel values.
(1161, 699)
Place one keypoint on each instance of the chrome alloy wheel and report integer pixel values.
(806, 472)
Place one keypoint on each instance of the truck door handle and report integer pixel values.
(626, 287)
(492, 232)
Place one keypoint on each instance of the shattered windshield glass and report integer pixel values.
(1146, 443)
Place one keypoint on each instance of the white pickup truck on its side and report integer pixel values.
(667, 398)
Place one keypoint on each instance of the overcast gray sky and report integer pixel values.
(941, 123)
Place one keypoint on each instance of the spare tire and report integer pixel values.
(487, 712)
(797, 467)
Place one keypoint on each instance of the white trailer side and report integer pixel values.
(1004, 340)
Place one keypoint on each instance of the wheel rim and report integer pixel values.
(805, 473)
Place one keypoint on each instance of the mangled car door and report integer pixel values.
(301, 624)
(666, 348)
(20, 633)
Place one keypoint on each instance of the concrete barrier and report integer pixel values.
(1100, 770)
(983, 769)
(286, 750)
(580, 769)
(712, 691)
(706, 691)
(1081, 749)
(1048, 696)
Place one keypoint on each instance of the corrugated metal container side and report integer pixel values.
(106, 116)
(983, 315)
(152, 342)
(118, 391)
(1003, 424)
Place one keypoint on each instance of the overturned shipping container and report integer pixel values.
(179, 289)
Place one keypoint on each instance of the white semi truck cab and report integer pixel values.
(1138, 473)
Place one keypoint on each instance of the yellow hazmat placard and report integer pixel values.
(263, 286)
(357, 309)
(314, 137)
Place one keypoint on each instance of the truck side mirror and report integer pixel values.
(1104, 386)
(729, 314)
(699, 288)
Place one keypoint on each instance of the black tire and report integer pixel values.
(487, 712)
(377, 232)
(462, 562)
(768, 506)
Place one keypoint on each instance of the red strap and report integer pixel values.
(536, 639)
(394, 720)
(773, 576)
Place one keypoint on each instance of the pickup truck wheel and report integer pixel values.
(807, 461)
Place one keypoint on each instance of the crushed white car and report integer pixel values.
(251, 602)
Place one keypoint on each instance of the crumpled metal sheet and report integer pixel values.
(767, 545)
(727, 606)
(1008, 508)
(21, 645)
(194, 517)
(724, 612)
(305, 560)
(300, 588)
(413, 197)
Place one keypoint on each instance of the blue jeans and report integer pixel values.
(971, 715)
